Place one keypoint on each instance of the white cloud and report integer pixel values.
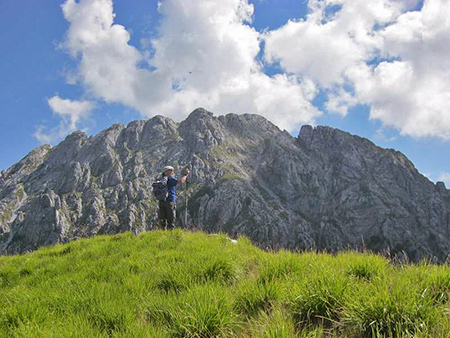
(382, 136)
(445, 177)
(205, 55)
(325, 45)
(409, 91)
(108, 65)
(314, 49)
(356, 51)
(339, 101)
(413, 94)
(70, 113)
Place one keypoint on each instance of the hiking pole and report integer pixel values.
(186, 197)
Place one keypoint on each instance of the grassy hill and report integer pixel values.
(184, 284)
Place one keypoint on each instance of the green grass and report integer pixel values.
(185, 284)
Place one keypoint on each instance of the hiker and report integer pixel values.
(165, 191)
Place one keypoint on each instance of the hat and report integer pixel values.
(168, 167)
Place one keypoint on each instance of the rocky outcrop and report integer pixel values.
(325, 189)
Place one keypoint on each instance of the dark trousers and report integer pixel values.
(167, 214)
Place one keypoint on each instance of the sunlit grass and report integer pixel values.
(185, 284)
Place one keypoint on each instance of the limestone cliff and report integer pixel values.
(325, 189)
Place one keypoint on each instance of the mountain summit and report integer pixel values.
(325, 189)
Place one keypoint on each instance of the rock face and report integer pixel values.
(325, 189)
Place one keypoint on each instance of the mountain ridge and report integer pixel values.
(340, 190)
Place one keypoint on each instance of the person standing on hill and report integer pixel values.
(165, 191)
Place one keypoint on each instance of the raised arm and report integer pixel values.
(184, 178)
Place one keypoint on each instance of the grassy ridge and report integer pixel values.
(183, 284)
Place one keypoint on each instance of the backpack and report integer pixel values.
(160, 188)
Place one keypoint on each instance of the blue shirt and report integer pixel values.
(172, 187)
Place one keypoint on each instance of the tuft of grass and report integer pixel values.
(60, 251)
(391, 311)
(278, 323)
(254, 297)
(7, 278)
(203, 312)
(280, 267)
(367, 267)
(157, 310)
(110, 318)
(436, 284)
(169, 283)
(220, 270)
(321, 299)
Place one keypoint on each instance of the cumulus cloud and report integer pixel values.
(70, 114)
(328, 42)
(413, 93)
(205, 55)
(376, 53)
(379, 53)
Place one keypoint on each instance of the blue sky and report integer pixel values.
(74, 70)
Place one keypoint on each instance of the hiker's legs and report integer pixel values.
(171, 214)
(166, 215)
(162, 215)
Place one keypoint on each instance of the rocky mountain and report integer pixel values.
(325, 189)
